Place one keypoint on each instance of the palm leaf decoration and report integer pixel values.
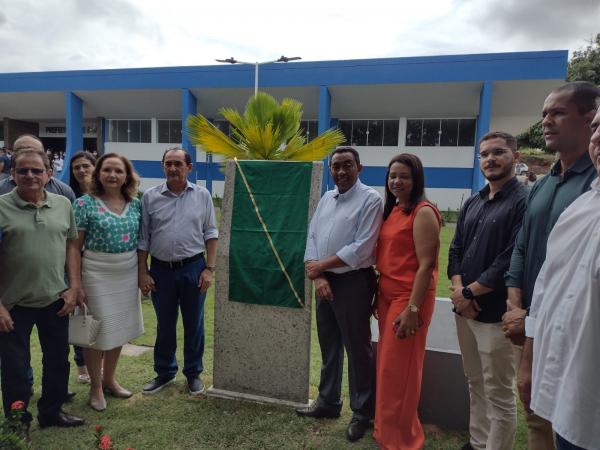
(266, 130)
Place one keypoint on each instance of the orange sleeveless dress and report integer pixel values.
(400, 361)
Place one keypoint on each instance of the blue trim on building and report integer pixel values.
(483, 126)
(324, 125)
(74, 131)
(435, 177)
(430, 69)
(188, 108)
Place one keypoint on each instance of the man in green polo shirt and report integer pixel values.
(38, 238)
(567, 114)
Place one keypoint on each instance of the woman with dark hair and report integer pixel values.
(82, 165)
(407, 252)
(108, 221)
(80, 175)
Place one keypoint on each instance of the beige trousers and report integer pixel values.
(490, 367)
(539, 431)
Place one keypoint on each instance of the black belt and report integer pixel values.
(177, 264)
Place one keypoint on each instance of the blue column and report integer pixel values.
(324, 125)
(483, 126)
(74, 124)
(188, 107)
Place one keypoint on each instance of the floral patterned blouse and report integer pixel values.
(106, 231)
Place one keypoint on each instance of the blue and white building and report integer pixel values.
(435, 107)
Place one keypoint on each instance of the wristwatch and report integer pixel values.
(413, 308)
(211, 268)
(467, 293)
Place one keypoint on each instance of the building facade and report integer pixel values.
(435, 107)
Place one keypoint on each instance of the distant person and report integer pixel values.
(38, 241)
(479, 256)
(521, 168)
(108, 220)
(53, 185)
(531, 178)
(4, 164)
(57, 164)
(179, 232)
(567, 114)
(563, 327)
(407, 260)
(339, 258)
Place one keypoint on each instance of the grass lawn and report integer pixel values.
(172, 419)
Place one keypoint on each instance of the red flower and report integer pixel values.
(17, 405)
(105, 442)
(99, 428)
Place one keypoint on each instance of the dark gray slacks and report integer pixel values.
(344, 324)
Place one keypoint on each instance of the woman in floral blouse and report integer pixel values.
(108, 221)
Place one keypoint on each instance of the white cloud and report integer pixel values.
(80, 34)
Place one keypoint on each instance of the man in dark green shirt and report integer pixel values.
(567, 114)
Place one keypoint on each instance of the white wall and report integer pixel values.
(454, 157)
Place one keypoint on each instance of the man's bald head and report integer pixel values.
(27, 141)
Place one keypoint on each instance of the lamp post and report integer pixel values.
(232, 60)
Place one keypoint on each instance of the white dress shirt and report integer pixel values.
(346, 225)
(564, 321)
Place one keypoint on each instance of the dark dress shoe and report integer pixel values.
(317, 411)
(357, 429)
(62, 419)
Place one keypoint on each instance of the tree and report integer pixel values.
(583, 66)
(585, 63)
(266, 130)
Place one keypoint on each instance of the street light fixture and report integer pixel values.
(282, 58)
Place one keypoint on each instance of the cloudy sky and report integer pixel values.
(40, 35)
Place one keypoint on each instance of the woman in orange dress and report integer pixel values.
(407, 252)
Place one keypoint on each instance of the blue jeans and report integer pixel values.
(177, 288)
(563, 444)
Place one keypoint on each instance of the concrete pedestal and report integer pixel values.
(444, 392)
(261, 353)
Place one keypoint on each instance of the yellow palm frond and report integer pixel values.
(317, 149)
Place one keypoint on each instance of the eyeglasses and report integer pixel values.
(33, 170)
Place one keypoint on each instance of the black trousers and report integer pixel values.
(15, 354)
(344, 324)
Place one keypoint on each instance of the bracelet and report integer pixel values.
(210, 268)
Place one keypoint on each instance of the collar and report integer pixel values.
(580, 166)
(349, 193)
(595, 186)
(164, 189)
(505, 190)
(22, 204)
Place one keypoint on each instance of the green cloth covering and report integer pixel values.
(281, 191)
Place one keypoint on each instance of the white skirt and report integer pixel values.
(110, 282)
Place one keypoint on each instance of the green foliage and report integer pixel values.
(583, 66)
(533, 137)
(585, 63)
(13, 432)
(266, 130)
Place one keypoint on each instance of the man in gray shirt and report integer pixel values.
(178, 227)
(339, 257)
(53, 186)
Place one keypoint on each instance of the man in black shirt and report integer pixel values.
(479, 255)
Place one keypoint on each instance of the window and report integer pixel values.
(440, 132)
(169, 131)
(129, 131)
(370, 133)
(310, 129)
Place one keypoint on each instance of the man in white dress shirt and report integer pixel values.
(563, 330)
(339, 257)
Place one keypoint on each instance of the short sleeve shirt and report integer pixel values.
(106, 231)
(33, 249)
